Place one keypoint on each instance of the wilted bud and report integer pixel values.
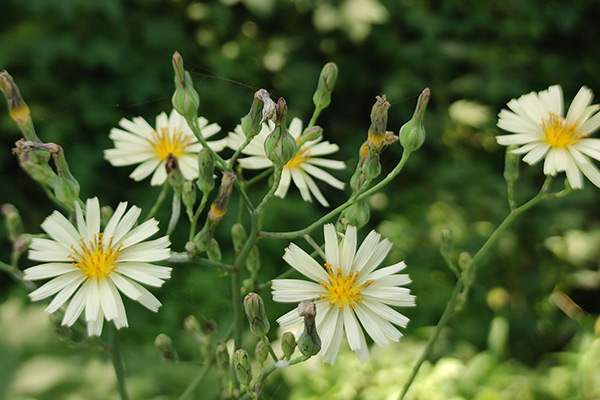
(19, 111)
(206, 167)
(447, 241)
(309, 342)
(261, 352)
(164, 344)
(185, 99)
(252, 122)
(192, 326)
(35, 164)
(379, 117)
(222, 357)
(188, 195)
(412, 134)
(174, 175)
(219, 207)
(269, 111)
(213, 251)
(253, 261)
(257, 317)
(12, 221)
(511, 165)
(311, 133)
(243, 368)
(288, 345)
(67, 188)
(322, 96)
(239, 237)
(280, 145)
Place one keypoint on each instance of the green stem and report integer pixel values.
(194, 384)
(159, 201)
(313, 119)
(339, 209)
(17, 275)
(194, 220)
(258, 177)
(118, 364)
(238, 152)
(267, 343)
(185, 258)
(193, 123)
(279, 365)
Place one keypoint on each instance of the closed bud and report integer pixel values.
(371, 166)
(188, 195)
(252, 123)
(379, 117)
(327, 78)
(185, 99)
(261, 352)
(511, 165)
(288, 345)
(309, 342)
(219, 207)
(257, 317)
(242, 366)
(12, 221)
(357, 214)
(464, 260)
(239, 237)
(280, 145)
(310, 134)
(206, 167)
(447, 241)
(21, 244)
(253, 261)
(174, 175)
(19, 111)
(222, 357)
(35, 164)
(412, 134)
(164, 344)
(213, 251)
(192, 326)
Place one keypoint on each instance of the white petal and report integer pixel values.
(157, 271)
(48, 250)
(536, 154)
(160, 175)
(55, 285)
(92, 216)
(92, 304)
(120, 320)
(147, 299)
(347, 250)
(591, 125)
(551, 99)
(94, 327)
(289, 319)
(394, 296)
(298, 178)
(75, 306)
(109, 230)
(367, 319)
(323, 175)
(140, 276)
(153, 250)
(385, 272)
(351, 327)
(304, 263)
(332, 250)
(81, 225)
(314, 189)
(378, 254)
(64, 294)
(48, 270)
(590, 171)
(126, 223)
(60, 229)
(144, 170)
(124, 285)
(139, 233)
(284, 183)
(107, 301)
(364, 251)
(386, 312)
(332, 336)
(582, 99)
(322, 162)
(295, 290)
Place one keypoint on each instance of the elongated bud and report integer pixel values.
(21, 244)
(379, 117)
(239, 237)
(188, 194)
(192, 326)
(253, 261)
(447, 241)
(252, 122)
(261, 352)
(243, 368)
(213, 251)
(185, 99)
(222, 357)
(219, 207)
(269, 111)
(67, 188)
(164, 344)
(12, 221)
(35, 164)
(511, 165)
(371, 166)
(464, 260)
(255, 311)
(357, 214)
(18, 109)
(322, 96)
(310, 134)
(206, 167)
(174, 175)
(412, 134)
(280, 145)
(309, 342)
(288, 345)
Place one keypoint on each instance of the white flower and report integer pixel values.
(140, 143)
(349, 287)
(299, 169)
(541, 130)
(90, 267)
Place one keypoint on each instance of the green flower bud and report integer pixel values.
(192, 326)
(447, 241)
(35, 164)
(464, 260)
(222, 357)
(253, 261)
(379, 117)
(174, 175)
(357, 214)
(288, 345)
(252, 123)
(255, 311)
(309, 342)
(511, 165)
(310, 134)
(188, 196)
(67, 188)
(238, 237)
(371, 166)
(213, 251)
(322, 96)
(185, 99)
(412, 134)
(164, 344)
(261, 352)
(242, 366)
(12, 221)
(269, 111)
(206, 167)
(280, 145)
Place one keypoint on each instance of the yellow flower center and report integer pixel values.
(559, 133)
(165, 142)
(343, 289)
(94, 259)
(301, 156)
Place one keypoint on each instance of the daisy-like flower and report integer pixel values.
(140, 143)
(349, 291)
(90, 267)
(541, 130)
(299, 169)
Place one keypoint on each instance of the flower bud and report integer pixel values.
(213, 251)
(447, 241)
(310, 134)
(261, 352)
(288, 345)
(255, 311)
(206, 167)
(164, 344)
(379, 117)
(252, 123)
(412, 134)
(185, 99)
(357, 214)
(174, 175)
(67, 188)
(511, 165)
(327, 78)
(280, 145)
(219, 207)
(222, 357)
(464, 260)
(21, 244)
(243, 368)
(238, 237)
(12, 221)
(269, 111)
(371, 166)
(35, 164)
(19, 111)
(253, 261)
(309, 342)
(192, 326)
(188, 196)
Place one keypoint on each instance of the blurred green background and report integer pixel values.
(83, 65)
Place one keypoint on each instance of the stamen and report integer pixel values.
(164, 143)
(343, 289)
(94, 259)
(302, 156)
(559, 133)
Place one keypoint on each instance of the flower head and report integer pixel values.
(349, 291)
(90, 266)
(140, 143)
(541, 129)
(300, 169)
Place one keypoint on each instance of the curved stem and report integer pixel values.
(238, 152)
(159, 201)
(194, 219)
(118, 364)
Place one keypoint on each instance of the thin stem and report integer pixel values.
(278, 365)
(17, 275)
(267, 343)
(185, 258)
(313, 119)
(258, 177)
(194, 384)
(193, 123)
(118, 364)
(194, 219)
(339, 209)
(159, 200)
(238, 152)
